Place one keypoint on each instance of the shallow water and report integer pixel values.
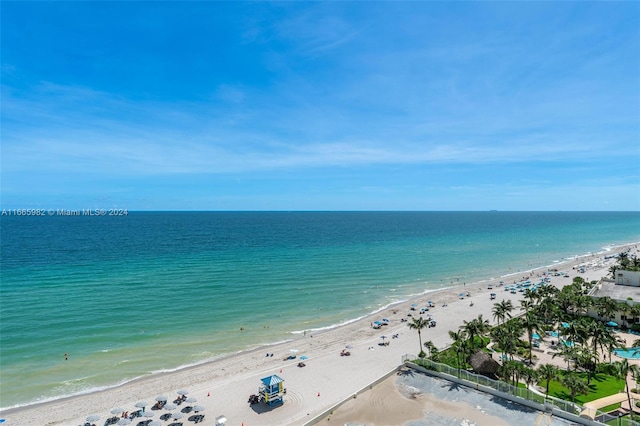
(127, 296)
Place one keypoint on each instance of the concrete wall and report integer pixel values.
(631, 278)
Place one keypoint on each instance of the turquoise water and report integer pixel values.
(126, 296)
(630, 353)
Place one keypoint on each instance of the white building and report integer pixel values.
(631, 278)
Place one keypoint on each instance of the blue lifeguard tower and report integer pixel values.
(272, 390)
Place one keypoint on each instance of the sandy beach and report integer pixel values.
(223, 386)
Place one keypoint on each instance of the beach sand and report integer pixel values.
(224, 385)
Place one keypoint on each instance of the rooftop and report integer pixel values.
(617, 292)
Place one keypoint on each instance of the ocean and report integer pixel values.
(146, 292)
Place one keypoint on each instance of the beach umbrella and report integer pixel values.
(182, 392)
(304, 357)
(117, 411)
(161, 398)
(190, 400)
(93, 418)
(124, 422)
(141, 404)
(198, 408)
(148, 414)
(155, 423)
(612, 324)
(176, 416)
(170, 407)
(383, 337)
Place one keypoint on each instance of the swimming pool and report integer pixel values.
(631, 353)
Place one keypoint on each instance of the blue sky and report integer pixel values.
(321, 106)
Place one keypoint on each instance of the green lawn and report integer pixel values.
(601, 385)
(611, 407)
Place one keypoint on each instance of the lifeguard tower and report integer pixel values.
(272, 390)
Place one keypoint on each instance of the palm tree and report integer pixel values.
(475, 327)
(548, 372)
(518, 372)
(587, 359)
(529, 375)
(431, 348)
(459, 345)
(600, 336)
(623, 260)
(569, 353)
(506, 370)
(634, 312)
(498, 312)
(502, 310)
(575, 385)
(624, 309)
(622, 370)
(529, 300)
(612, 270)
(530, 323)
(547, 309)
(418, 324)
(606, 307)
(514, 330)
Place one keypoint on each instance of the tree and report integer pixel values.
(622, 370)
(547, 308)
(548, 372)
(601, 337)
(606, 307)
(506, 370)
(502, 310)
(634, 312)
(530, 323)
(612, 270)
(529, 375)
(588, 360)
(574, 385)
(459, 346)
(498, 312)
(433, 350)
(568, 353)
(418, 324)
(475, 327)
(507, 336)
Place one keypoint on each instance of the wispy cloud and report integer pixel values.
(389, 97)
(84, 130)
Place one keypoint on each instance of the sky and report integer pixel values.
(320, 106)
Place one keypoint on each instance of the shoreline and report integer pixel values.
(252, 363)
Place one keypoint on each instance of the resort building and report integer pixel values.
(629, 278)
(622, 294)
